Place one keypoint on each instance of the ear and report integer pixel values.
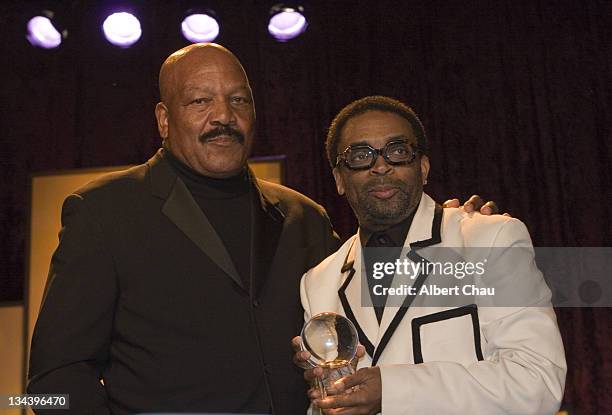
(161, 113)
(424, 168)
(339, 180)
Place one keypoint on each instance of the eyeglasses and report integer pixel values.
(363, 156)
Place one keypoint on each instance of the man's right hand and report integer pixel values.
(300, 359)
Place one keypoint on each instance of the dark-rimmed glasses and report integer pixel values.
(363, 156)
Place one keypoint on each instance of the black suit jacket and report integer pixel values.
(142, 294)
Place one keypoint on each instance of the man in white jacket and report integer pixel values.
(489, 346)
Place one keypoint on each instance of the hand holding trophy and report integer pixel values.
(331, 340)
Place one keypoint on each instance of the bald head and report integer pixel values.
(206, 115)
(190, 56)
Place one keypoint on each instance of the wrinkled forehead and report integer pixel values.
(214, 62)
(201, 67)
(375, 128)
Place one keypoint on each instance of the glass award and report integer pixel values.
(332, 342)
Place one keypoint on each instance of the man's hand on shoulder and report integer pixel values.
(474, 204)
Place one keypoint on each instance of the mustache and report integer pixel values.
(371, 184)
(223, 131)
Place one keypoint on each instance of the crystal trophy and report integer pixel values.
(332, 342)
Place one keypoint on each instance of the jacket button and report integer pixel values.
(255, 303)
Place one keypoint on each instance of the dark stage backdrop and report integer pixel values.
(516, 98)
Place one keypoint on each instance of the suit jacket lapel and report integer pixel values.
(424, 231)
(268, 225)
(184, 212)
(350, 293)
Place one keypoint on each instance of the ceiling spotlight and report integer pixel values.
(122, 29)
(200, 26)
(42, 32)
(286, 22)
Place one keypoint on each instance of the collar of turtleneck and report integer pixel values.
(209, 187)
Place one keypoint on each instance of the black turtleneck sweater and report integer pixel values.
(228, 205)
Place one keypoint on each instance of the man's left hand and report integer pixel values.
(356, 394)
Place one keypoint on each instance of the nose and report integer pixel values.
(222, 113)
(380, 167)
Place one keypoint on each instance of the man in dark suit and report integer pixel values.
(176, 282)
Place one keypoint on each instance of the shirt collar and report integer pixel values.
(396, 233)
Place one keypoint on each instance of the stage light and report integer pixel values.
(122, 29)
(286, 22)
(200, 26)
(42, 33)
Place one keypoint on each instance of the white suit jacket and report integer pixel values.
(471, 358)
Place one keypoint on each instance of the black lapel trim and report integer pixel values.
(403, 309)
(184, 212)
(471, 310)
(436, 238)
(347, 266)
(363, 339)
(436, 225)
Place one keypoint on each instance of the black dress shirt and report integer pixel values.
(383, 246)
